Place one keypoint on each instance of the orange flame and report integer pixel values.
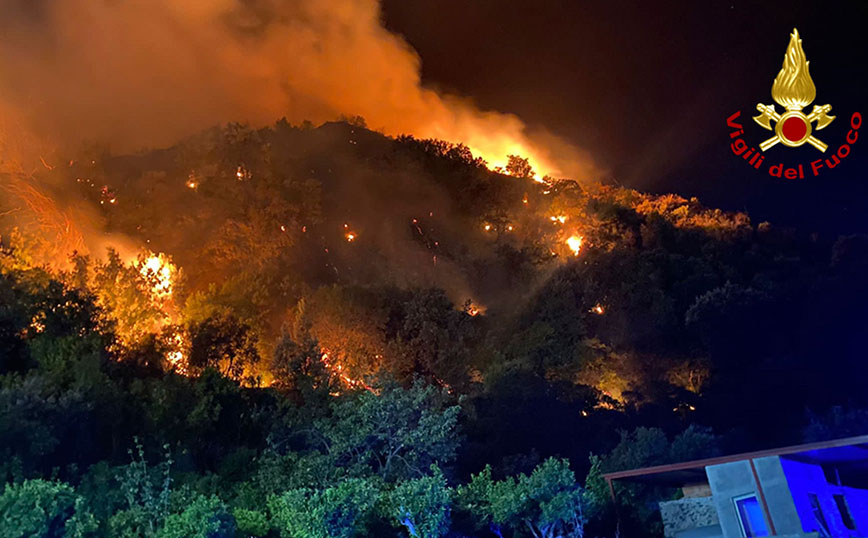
(574, 242)
(55, 225)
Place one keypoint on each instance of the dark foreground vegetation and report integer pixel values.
(378, 337)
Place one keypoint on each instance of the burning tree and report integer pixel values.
(519, 167)
(137, 296)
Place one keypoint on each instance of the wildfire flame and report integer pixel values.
(574, 242)
(160, 272)
(160, 275)
(473, 309)
(55, 224)
(176, 357)
(793, 87)
(336, 370)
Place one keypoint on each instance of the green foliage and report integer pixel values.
(396, 432)
(643, 447)
(340, 511)
(101, 489)
(695, 442)
(299, 367)
(34, 305)
(44, 509)
(146, 492)
(294, 470)
(203, 517)
(422, 505)
(251, 522)
(70, 361)
(548, 502)
(36, 418)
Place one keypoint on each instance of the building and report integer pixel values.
(817, 489)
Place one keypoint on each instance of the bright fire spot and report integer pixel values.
(351, 236)
(336, 371)
(524, 199)
(597, 309)
(510, 228)
(558, 218)
(487, 227)
(160, 272)
(282, 228)
(176, 357)
(37, 323)
(160, 276)
(242, 173)
(107, 195)
(575, 244)
(192, 184)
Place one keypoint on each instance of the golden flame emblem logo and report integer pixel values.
(794, 89)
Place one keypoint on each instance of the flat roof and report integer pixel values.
(850, 452)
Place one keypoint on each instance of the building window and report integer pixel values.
(750, 516)
(844, 509)
(819, 516)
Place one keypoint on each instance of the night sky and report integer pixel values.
(647, 87)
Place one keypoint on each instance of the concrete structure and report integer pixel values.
(814, 490)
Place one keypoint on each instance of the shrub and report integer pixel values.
(45, 509)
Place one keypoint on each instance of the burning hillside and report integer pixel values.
(261, 219)
(390, 311)
(301, 264)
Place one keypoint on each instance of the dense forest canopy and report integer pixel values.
(304, 331)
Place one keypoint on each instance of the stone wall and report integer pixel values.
(687, 513)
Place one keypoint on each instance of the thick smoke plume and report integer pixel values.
(135, 73)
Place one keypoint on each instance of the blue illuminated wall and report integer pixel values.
(729, 481)
(804, 479)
